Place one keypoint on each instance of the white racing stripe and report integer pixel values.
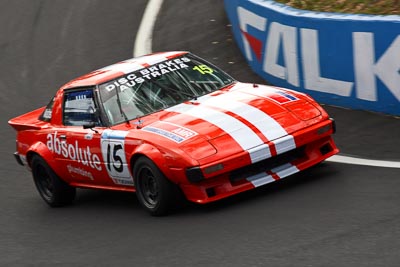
(260, 179)
(263, 178)
(262, 90)
(154, 59)
(240, 132)
(284, 144)
(285, 170)
(267, 125)
(124, 67)
(134, 64)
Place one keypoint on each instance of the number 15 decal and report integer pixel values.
(114, 159)
(113, 150)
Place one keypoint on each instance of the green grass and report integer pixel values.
(376, 7)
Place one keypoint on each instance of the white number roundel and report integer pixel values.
(113, 151)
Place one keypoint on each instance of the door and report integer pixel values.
(81, 138)
(96, 155)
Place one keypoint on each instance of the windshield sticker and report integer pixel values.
(147, 74)
(203, 69)
(171, 131)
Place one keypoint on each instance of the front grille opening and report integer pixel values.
(266, 165)
(211, 192)
(325, 149)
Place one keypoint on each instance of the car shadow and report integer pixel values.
(318, 175)
(115, 200)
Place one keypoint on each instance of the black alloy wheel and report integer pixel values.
(154, 191)
(54, 191)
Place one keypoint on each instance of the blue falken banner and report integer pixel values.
(340, 59)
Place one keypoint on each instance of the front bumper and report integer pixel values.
(314, 145)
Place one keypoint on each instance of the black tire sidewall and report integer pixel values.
(62, 194)
(166, 189)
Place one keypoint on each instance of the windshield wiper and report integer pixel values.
(190, 96)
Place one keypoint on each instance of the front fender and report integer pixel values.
(166, 161)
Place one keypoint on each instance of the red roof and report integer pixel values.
(124, 67)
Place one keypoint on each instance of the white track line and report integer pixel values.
(144, 36)
(364, 162)
(143, 46)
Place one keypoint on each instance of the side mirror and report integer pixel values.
(90, 125)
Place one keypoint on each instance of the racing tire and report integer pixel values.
(154, 191)
(54, 191)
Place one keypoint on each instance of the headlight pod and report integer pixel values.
(199, 148)
(195, 174)
(304, 110)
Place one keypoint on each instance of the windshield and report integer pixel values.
(160, 86)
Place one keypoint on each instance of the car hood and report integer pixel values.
(241, 117)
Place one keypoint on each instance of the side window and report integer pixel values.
(46, 115)
(79, 108)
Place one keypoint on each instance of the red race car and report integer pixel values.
(165, 124)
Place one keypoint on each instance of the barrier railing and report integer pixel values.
(340, 59)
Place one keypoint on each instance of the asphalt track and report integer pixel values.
(332, 215)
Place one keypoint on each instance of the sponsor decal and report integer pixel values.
(282, 97)
(79, 171)
(73, 151)
(149, 73)
(171, 131)
(164, 133)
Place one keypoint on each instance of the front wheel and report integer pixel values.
(54, 191)
(154, 191)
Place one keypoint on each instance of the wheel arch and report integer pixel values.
(44, 152)
(155, 155)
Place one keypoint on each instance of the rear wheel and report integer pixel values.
(54, 191)
(154, 191)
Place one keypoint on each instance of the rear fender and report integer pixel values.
(43, 151)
